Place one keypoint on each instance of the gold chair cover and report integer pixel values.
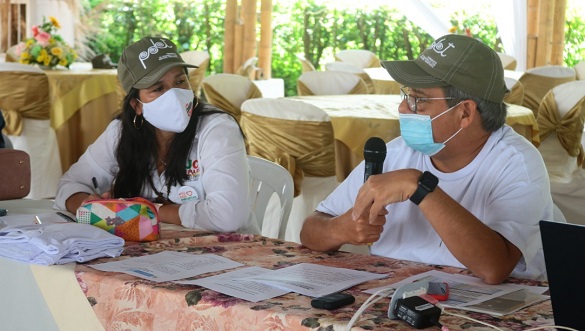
(218, 100)
(196, 76)
(23, 95)
(516, 94)
(569, 129)
(537, 86)
(301, 147)
(359, 88)
(511, 65)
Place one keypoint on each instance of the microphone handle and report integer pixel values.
(372, 168)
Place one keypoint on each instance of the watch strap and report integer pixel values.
(426, 184)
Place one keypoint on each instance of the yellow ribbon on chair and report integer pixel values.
(537, 86)
(218, 100)
(304, 148)
(569, 129)
(516, 94)
(23, 95)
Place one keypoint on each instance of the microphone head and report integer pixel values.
(375, 150)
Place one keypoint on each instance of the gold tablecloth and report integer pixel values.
(83, 102)
(356, 118)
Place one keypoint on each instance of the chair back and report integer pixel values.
(200, 59)
(266, 179)
(560, 121)
(330, 83)
(359, 57)
(580, 70)
(516, 94)
(24, 93)
(307, 65)
(538, 81)
(352, 69)
(508, 61)
(299, 137)
(250, 70)
(229, 91)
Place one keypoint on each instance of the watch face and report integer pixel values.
(429, 181)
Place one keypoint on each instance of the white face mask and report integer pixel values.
(170, 111)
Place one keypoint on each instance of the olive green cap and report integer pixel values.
(460, 61)
(144, 62)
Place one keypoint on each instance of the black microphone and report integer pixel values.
(374, 155)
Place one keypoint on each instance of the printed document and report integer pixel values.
(167, 266)
(314, 280)
(229, 283)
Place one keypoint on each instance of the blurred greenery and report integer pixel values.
(300, 27)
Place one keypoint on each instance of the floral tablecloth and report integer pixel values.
(125, 302)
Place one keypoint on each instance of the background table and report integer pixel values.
(356, 118)
(77, 297)
(83, 103)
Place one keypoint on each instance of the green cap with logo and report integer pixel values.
(144, 62)
(460, 61)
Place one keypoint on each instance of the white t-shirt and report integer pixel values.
(506, 186)
(218, 173)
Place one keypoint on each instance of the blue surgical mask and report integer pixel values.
(417, 132)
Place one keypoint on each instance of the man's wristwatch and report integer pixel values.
(426, 184)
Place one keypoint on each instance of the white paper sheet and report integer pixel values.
(226, 283)
(167, 266)
(314, 280)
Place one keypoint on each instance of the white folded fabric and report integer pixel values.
(58, 243)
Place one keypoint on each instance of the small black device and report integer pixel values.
(332, 301)
(417, 312)
(374, 155)
(426, 184)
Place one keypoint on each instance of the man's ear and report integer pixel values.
(469, 113)
(136, 105)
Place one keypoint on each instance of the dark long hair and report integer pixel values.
(137, 150)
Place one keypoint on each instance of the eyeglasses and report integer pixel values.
(413, 101)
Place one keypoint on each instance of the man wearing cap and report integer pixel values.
(166, 146)
(459, 187)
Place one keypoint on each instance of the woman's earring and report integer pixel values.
(141, 122)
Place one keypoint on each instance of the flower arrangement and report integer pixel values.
(46, 48)
(456, 30)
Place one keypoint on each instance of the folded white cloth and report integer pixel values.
(58, 243)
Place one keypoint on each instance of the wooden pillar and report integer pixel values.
(545, 24)
(231, 9)
(558, 33)
(249, 19)
(532, 32)
(265, 48)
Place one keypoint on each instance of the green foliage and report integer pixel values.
(300, 27)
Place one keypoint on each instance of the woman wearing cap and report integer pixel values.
(166, 146)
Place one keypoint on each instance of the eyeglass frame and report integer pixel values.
(407, 97)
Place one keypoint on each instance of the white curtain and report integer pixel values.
(422, 14)
(510, 18)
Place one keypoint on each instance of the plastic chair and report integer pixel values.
(24, 98)
(330, 83)
(229, 91)
(200, 59)
(508, 61)
(561, 121)
(361, 58)
(298, 136)
(266, 179)
(538, 81)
